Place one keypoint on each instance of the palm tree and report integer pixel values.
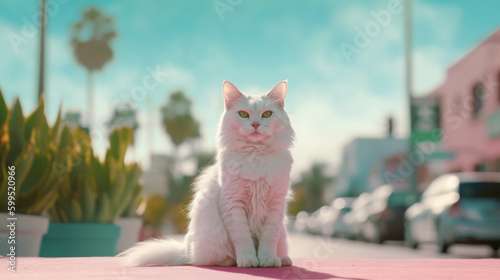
(73, 119)
(314, 181)
(123, 116)
(41, 72)
(179, 122)
(93, 51)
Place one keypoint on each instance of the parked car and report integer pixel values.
(385, 214)
(457, 208)
(354, 219)
(313, 222)
(333, 224)
(300, 223)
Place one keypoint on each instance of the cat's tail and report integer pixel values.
(155, 252)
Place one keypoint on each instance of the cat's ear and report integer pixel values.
(231, 94)
(278, 93)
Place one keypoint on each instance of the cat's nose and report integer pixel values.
(255, 125)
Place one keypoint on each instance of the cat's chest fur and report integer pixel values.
(255, 182)
(268, 168)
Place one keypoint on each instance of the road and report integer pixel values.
(302, 245)
(311, 246)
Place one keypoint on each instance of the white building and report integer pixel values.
(358, 159)
(156, 177)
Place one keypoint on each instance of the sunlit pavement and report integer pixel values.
(109, 268)
(313, 246)
(314, 257)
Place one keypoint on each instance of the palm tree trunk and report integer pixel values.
(173, 185)
(91, 100)
(42, 54)
(175, 154)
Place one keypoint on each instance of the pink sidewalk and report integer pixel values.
(354, 269)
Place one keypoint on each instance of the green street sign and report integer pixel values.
(425, 120)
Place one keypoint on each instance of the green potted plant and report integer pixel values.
(92, 196)
(28, 183)
(130, 223)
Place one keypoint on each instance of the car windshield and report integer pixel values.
(345, 210)
(397, 199)
(480, 190)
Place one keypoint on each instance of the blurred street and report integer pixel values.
(313, 246)
(304, 245)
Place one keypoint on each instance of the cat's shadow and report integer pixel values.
(284, 273)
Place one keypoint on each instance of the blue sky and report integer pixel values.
(258, 43)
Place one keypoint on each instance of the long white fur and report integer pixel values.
(238, 213)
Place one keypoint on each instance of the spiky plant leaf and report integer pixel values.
(75, 213)
(4, 111)
(42, 136)
(16, 133)
(38, 170)
(88, 202)
(103, 214)
(33, 121)
(54, 131)
(3, 185)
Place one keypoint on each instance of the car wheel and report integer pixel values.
(409, 240)
(378, 235)
(495, 247)
(443, 248)
(442, 244)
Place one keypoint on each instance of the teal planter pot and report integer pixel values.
(80, 240)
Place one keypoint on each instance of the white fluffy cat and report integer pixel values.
(237, 216)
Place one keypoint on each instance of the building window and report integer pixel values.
(496, 165)
(478, 98)
(480, 167)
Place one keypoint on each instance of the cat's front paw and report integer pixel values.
(286, 261)
(269, 261)
(247, 261)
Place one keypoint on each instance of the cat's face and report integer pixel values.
(255, 119)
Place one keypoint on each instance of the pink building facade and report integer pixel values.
(470, 109)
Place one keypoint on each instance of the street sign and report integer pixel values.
(425, 120)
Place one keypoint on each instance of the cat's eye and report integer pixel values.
(267, 114)
(243, 114)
